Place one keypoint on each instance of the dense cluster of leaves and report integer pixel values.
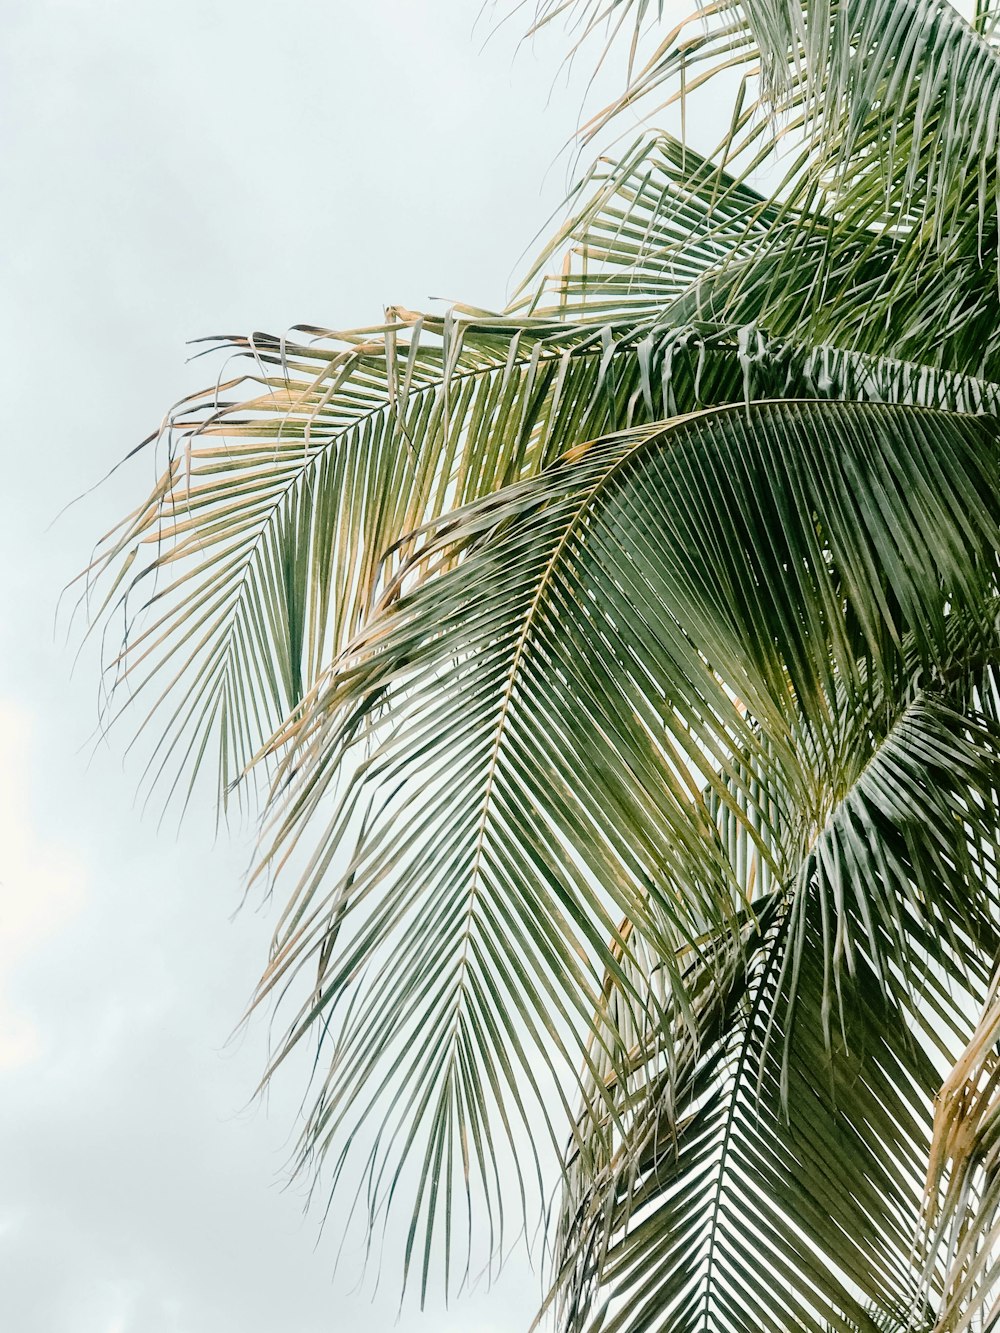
(626, 671)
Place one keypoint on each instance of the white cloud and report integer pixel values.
(176, 167)
(41, 884)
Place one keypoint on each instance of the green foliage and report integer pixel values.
(624, 670)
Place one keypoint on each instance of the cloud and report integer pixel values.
(42, 886)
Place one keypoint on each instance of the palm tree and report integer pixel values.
(625, 671)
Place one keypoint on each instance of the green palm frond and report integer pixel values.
(624, 671)
(891, 192)
(795, 1153)
(897, 91)
(646, 233)
(284, 512)
(664, 230)
(740, 601)
(744, 1207)
(291, 491)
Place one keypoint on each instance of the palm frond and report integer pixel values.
(963, 1183)
(625, 667)
(735, 604)
(777, 1183)
(891, 192)
(663, 230)
(291, 494)
(645, 233)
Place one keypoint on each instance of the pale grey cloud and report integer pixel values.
(173, 168)
(41, 888)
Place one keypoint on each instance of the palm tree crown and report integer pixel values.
(625, 667)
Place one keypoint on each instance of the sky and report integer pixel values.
(174, 168)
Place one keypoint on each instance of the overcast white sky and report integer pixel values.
(174, 168)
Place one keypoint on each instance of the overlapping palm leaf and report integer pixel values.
(282, 512)
(663, 229)
(291, 491)
(779, 1185)
(743, 600)
(891, 181)
(632, 734)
